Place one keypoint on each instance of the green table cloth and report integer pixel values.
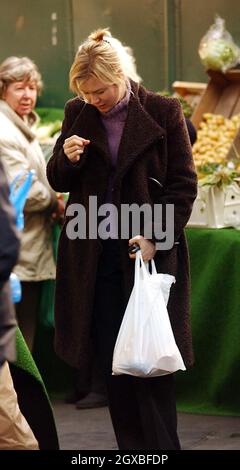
(213, 385)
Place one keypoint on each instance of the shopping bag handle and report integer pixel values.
(140, 264)
(18, 194)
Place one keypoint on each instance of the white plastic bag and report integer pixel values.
(217, 49)
(145, 345)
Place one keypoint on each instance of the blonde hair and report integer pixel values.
(15, 69)
(103, 57)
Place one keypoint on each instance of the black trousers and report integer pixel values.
(143, 410)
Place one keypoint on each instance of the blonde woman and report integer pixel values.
(121, 144)
(20, 84)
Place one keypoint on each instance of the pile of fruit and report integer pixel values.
(214, 139)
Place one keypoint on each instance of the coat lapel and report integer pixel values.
(88, 125)
(139, 133)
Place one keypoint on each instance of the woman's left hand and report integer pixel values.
(147, 247)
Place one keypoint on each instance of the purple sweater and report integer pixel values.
(114, 121)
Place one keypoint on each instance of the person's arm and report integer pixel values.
(16, 161)
(8, 324)
(9, 248)
(9, 241)
(191, 131)
(61, 171)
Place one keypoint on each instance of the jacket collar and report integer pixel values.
(139, 132)
(88, 125)
(23, 125)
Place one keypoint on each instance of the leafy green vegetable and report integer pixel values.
(221, 177)
(48, 115)
(49, 124)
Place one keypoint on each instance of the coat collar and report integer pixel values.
(88, 125)
(23, 125)
(139, 132)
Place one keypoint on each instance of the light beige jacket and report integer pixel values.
(20, 151)
(15, 432)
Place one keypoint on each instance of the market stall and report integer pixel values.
(217, 153)
(213, 386)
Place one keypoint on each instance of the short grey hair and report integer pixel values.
(16, 69)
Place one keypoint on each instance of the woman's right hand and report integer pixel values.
(74, 146)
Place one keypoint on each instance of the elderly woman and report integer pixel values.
(20, 83)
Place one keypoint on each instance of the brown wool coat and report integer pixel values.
(154, 144)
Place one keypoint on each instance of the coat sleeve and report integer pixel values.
(61, 173)
(180, 188)
(9, 242)
(15, 162)
(9, 249)
(8, 324)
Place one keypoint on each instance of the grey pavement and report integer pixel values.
(92, 430)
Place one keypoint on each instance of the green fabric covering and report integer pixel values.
(46, 313)
(213, 385)
(46, 303)
(24, 358)
(32, 397)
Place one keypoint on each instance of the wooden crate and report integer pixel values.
(190, 91)
(222, 96)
